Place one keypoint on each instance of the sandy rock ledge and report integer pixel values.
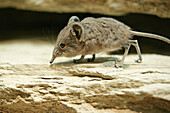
(33, 86)
(108, 7)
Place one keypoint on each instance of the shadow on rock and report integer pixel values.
(84, 61)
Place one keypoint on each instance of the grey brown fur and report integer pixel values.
(94, 35)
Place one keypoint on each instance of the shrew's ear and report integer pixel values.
(73, 19)
(76, 31)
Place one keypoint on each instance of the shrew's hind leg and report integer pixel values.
(92, 59)
(79, 60)
(135, 43)
(127, 47)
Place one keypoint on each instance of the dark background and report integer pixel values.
(17, 24)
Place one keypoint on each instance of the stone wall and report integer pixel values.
(108, 7)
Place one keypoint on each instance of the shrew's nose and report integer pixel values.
(52, 59)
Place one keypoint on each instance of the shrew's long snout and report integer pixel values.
(56, 53)
(52, 59)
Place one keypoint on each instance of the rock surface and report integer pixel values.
(108, 7)
(29, 84)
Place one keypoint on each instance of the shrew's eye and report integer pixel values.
(62, 45)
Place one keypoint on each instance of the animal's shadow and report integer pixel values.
(106, 61)
(85, 61)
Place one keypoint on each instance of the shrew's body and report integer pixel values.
(94, 35)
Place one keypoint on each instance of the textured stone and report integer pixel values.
(33, 85)
(108, 7)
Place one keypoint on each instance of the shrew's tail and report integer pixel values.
(150, 35)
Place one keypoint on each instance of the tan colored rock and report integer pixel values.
(108, 7)
(26, 79)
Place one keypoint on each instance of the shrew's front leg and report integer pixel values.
(92, 59)
(79, 60)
